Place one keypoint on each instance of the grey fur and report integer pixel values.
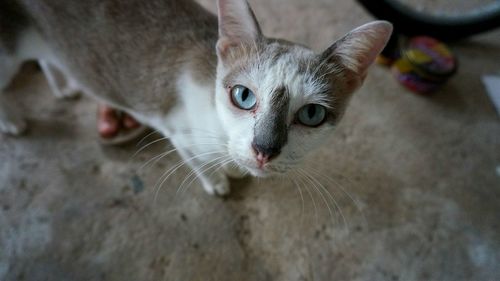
(127, 53)
(271, 130)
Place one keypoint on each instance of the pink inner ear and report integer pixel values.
(223, 46)
(364, 44)
(237, 21)
(378, 46)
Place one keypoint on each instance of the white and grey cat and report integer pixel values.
(218, 88)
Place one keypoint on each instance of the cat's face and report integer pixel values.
(277, 100)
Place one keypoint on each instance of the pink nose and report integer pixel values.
(262, 155)
(262, 159)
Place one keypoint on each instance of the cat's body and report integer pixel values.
(122, 52)
(158, 61)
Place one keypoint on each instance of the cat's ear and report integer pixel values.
(237, 25)
(358, 49)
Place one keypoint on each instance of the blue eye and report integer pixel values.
(312, 115)
(243, 98)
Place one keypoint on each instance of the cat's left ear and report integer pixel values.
(237, 25)
(358, 49)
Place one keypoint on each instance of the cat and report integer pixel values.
(224, 94)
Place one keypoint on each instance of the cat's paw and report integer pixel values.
(219, 186)
(12, 124)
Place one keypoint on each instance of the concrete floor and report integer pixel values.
(423, 173)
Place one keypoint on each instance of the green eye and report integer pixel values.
(312, 115)
(243, 98)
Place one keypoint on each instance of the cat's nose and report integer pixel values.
(265, 153)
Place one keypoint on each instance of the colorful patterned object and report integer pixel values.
(424, 65)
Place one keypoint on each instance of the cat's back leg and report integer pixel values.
(19, 46)
(61, 85)
(11, 121)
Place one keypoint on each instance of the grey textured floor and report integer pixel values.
(421, 171)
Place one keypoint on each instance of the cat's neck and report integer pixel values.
(197, 45)
(201, 61)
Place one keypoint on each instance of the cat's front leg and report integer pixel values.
(208, 170)
(215, 183)
(11, 120)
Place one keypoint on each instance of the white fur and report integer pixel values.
(195, 129)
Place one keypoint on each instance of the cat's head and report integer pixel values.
(278, 100)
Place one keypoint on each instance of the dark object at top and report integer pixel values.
(409, 21)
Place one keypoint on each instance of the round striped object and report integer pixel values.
(425, 65)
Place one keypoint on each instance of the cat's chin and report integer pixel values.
(263, 173)
(260, 173)
(254, 171)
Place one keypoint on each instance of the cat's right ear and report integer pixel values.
(237, 25)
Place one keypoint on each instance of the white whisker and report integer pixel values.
(198, 171)
(354, 201)
(219, 163)
(173, 169)
(167, 138)
(302, 199)
(332, 199)
(145, 137)
(311, 196)
(315, 185)
(163, 154)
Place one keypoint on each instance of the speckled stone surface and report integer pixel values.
(416, 180)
